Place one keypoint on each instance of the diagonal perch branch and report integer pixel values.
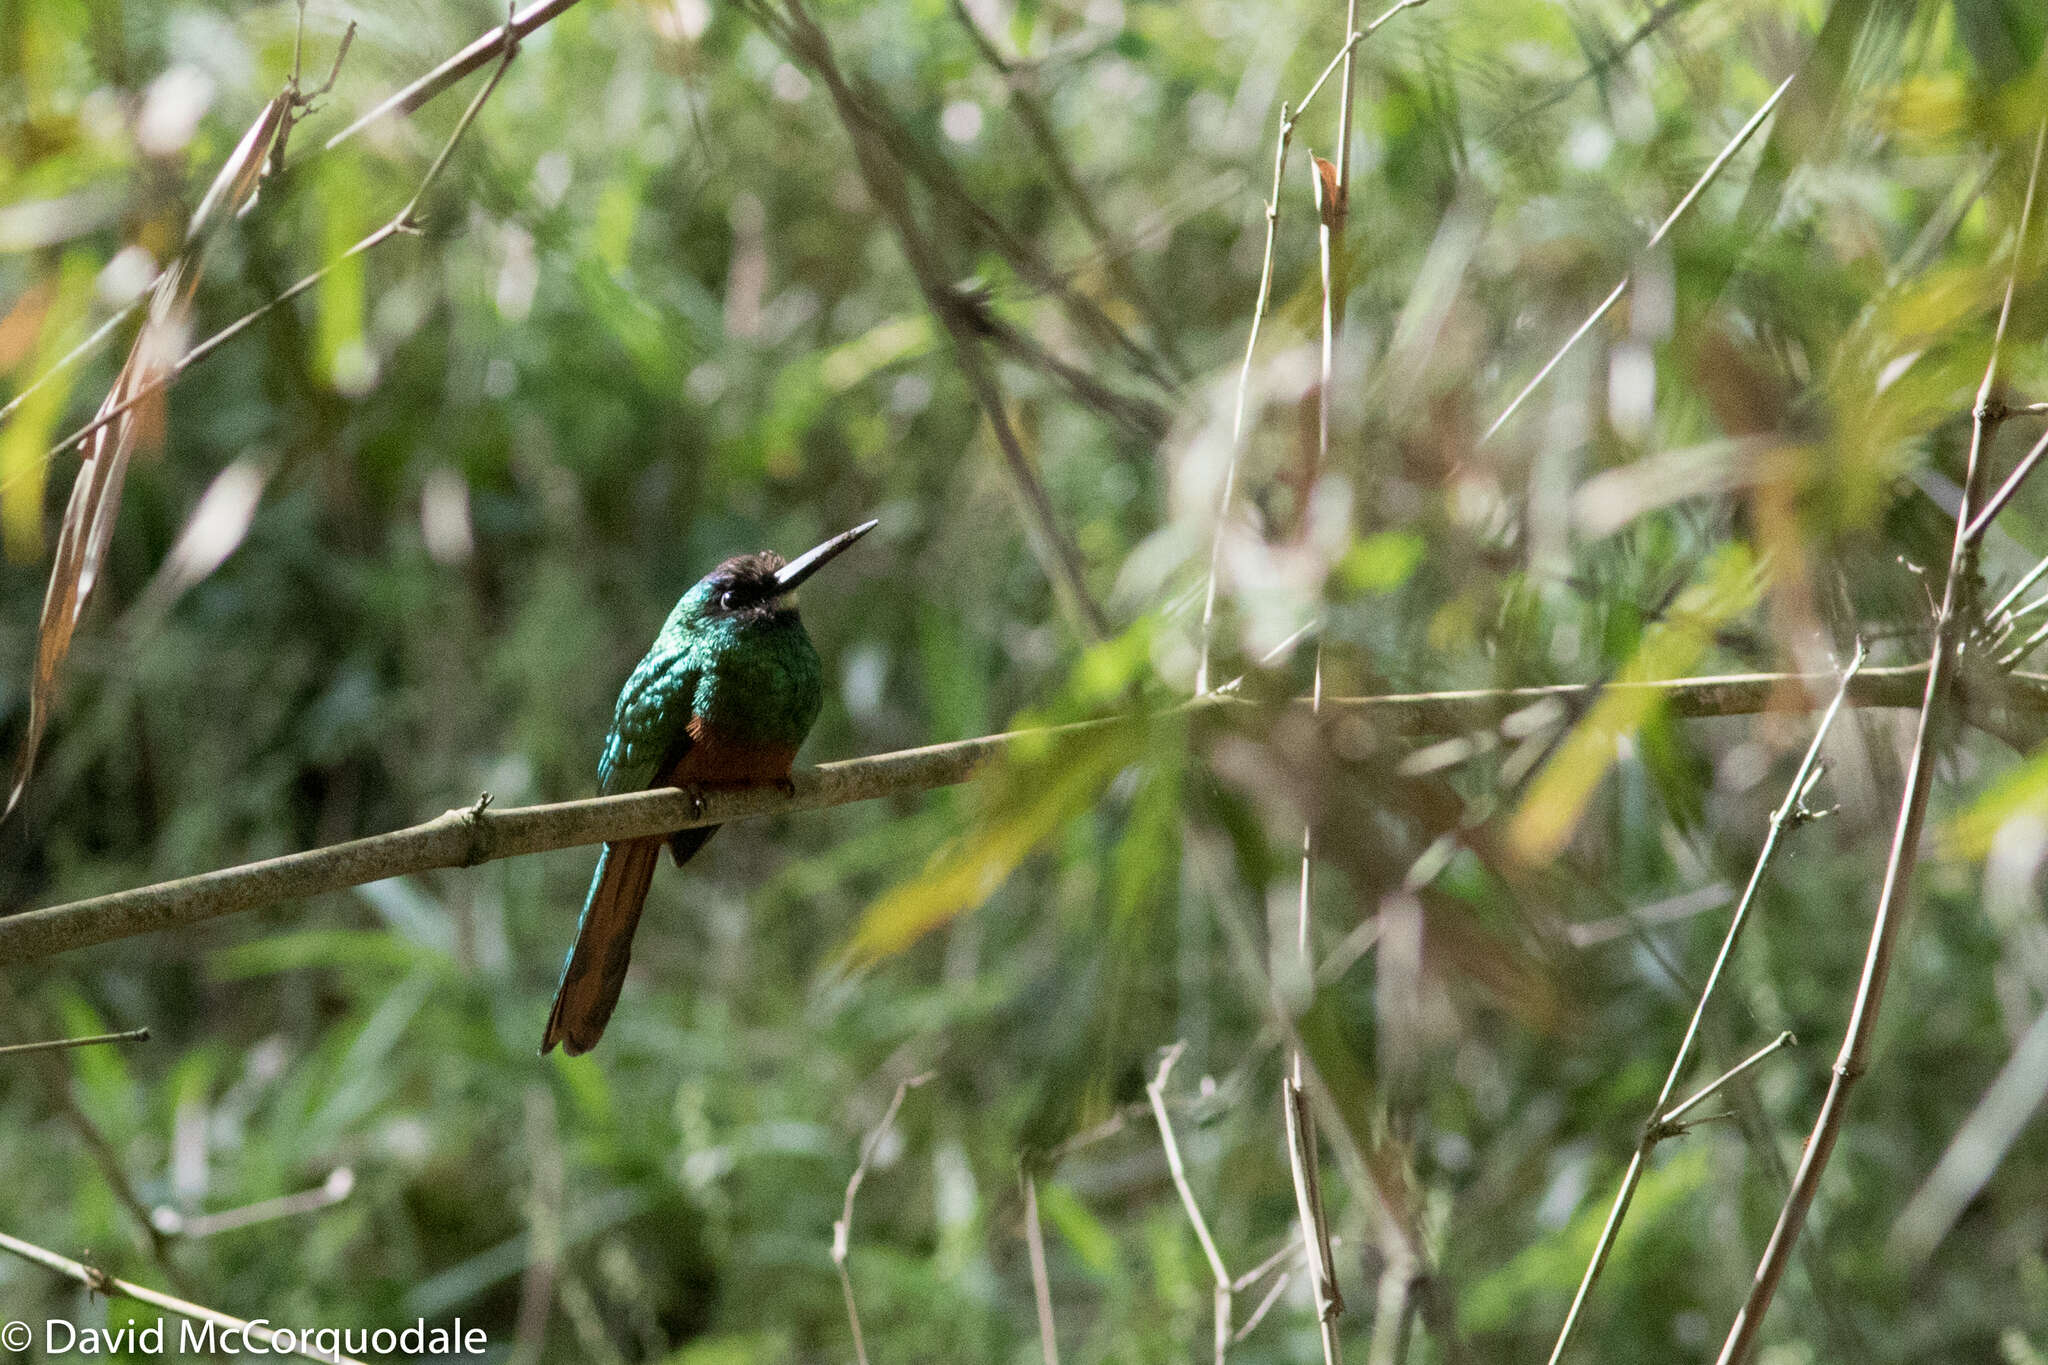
(474, 834)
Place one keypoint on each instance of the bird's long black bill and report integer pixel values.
(810, 561)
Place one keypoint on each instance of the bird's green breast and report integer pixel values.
(759, 682)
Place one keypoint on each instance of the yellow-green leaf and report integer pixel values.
(1066, 780)
(1556, 799)
(2019, 793)
(25, 440)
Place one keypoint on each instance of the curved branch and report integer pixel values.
(477, 834)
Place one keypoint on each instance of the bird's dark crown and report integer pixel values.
(746, 584)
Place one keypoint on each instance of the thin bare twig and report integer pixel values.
(339, 1184)
(77, 353)
(1367, 1161)
(2004, 627)
(1791, 812)
(1996, 504)
(109, 439)
(87, 528)
(1949, 626)
(1699, 186)
(1287, 1251)
(2026, 647)
(1670, 1123)
(299, 101)
(471, 58)
(406, 101)
(55, 1077)
(1304, 1170)
(134, 1035)
(2026, 580)
(1264, 1306)
(100, 1282)
(1223, 1285)
(842, 1227)
(260, 153)
(1226, 494)
(1041, 1283)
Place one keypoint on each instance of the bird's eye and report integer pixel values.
(728, 600)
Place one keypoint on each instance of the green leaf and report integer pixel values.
(1083, 1231)
(1381, 563)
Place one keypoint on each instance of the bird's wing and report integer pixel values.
(650, 727)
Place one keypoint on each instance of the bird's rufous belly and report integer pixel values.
(714, 760)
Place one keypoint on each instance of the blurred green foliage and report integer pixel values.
(656, 317)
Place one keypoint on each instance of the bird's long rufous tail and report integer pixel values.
(596, 968)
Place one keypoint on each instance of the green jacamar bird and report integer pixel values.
(724, 698)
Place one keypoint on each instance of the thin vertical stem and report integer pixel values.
(1041, 1284)
(1332, 192)
(1244, 383)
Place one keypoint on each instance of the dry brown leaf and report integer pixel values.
(1329, 194)
(89, 515)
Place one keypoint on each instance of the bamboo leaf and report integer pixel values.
(1556, 799)
(1053, 788)
(24, 443)
(89, 515)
